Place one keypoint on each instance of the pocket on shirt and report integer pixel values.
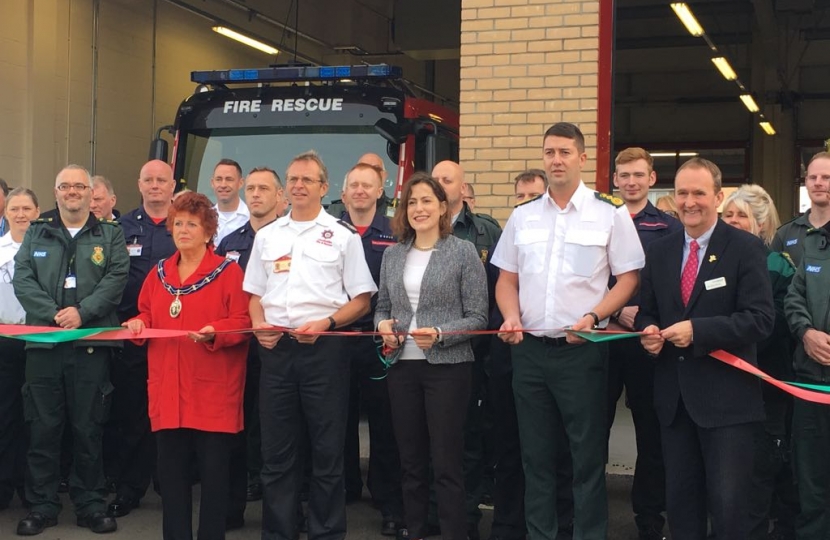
(585, 250)
(532, 247)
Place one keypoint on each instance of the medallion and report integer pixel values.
(175, 307)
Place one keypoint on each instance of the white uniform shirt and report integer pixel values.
(305, 272)
(227, 225)
(564, 257)
(11, 312)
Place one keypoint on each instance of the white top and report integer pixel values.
(230, 221)
(306, 274)
(413, 275)
(11, 312)
(73, 231)
(564, 256)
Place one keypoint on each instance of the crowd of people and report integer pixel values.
(457, 339)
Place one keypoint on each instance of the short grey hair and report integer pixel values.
(73, 167)
(312, 155)
(98, 179)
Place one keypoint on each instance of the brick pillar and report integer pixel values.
(525, 64)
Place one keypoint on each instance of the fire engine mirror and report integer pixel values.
(158, 149)
(392, 132)
(393, 151)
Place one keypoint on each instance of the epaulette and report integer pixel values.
(108, 221)
(813, 230)
(490, 219)
(537, 197)
(43, 220)
(788, 259)
(610, 199)
(347, 225)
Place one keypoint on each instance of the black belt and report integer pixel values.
(552, 341)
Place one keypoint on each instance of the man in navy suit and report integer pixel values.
(707, 410)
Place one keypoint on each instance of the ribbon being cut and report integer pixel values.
(48, 334)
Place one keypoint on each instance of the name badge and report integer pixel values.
(232, 255)
(283, 264)
(70, 282)
(716, 283)
(134, 250)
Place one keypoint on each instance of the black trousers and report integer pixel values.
(176, 448)
(369, 390)
(811, 448)
(129, 428)
(246, 460)
(13, 437)
(708, 474)
(429, 405)
(303, 386)
(59, 381)
(629, 366)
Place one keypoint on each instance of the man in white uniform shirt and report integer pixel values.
(226, 183)
(556, 255)
(307, 273)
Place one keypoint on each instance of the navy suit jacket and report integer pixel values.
(732, 317)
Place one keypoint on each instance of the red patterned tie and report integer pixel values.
(687, 279)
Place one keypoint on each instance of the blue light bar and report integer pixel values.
(297, 74)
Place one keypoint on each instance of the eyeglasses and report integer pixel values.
(306, 181)
(76, 187)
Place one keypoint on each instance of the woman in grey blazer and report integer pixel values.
(433, 289)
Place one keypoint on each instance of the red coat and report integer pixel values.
(197, 385)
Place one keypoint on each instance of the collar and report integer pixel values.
(804, 219)
(206, 266)
(241, 210)
(378, 221)
(648, 210)
(577, 199)
(703, 240)
(6, 240)
(323, 218)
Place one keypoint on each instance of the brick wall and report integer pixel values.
(525, 64)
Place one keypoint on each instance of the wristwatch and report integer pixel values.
(595, 317)
(332, 324)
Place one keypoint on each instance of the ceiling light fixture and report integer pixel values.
(672, 154)
(749, 102)
(725, 69)
(688, 19)
(767, 127)
(242, 38)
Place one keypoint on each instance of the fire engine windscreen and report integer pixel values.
(339, 146)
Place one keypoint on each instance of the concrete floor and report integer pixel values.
(363, 520)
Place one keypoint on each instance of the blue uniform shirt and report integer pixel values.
(237, 245)
(147, 244)
(651, 224)
(376, 239)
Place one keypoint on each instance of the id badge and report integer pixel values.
(70, 282)
(134, 250)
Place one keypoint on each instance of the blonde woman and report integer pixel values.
(751, 209)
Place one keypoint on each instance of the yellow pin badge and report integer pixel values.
(712, 258)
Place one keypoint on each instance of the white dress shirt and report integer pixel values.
(564, 256)
(306, 271)
(11, 312)
(229, 224)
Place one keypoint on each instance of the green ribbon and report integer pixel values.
(819, 387)
(596, 337)
(59, 336)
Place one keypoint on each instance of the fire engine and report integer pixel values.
(264, 117)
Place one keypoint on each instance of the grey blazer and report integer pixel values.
(453, 296)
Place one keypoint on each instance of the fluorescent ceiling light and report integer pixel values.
(750, 103)
(687, 18)
(725, 69)
(767, 127)
(249, 41)
(673, 154)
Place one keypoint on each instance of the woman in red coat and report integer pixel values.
(195, 383)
